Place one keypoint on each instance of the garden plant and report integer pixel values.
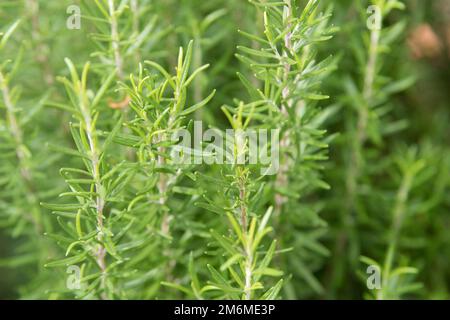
(224, 149)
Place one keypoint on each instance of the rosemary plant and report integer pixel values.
(223, 149)
(287, 66)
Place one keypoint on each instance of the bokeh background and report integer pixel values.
(422, 51)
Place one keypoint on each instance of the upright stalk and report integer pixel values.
(115, 40)
(197, 63)
(134, 6)
(41, 48)
(99, 188)
(25, 171)
(355, 164)
(281, 178)
(397, 222)
(247, 249)
(362, 122)
(248, 268)
(163, 181)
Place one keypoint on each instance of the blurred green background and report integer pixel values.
(423, 51)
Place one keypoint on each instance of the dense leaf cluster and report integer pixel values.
(95, 203)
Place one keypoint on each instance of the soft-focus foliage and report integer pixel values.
(94, 203)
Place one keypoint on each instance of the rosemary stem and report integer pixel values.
(363, 118)
(99, 188)
(41, 47)
(115, 40)
(281, 178)
(398, 214)
(24, 169)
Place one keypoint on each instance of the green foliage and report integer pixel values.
(96, 204)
